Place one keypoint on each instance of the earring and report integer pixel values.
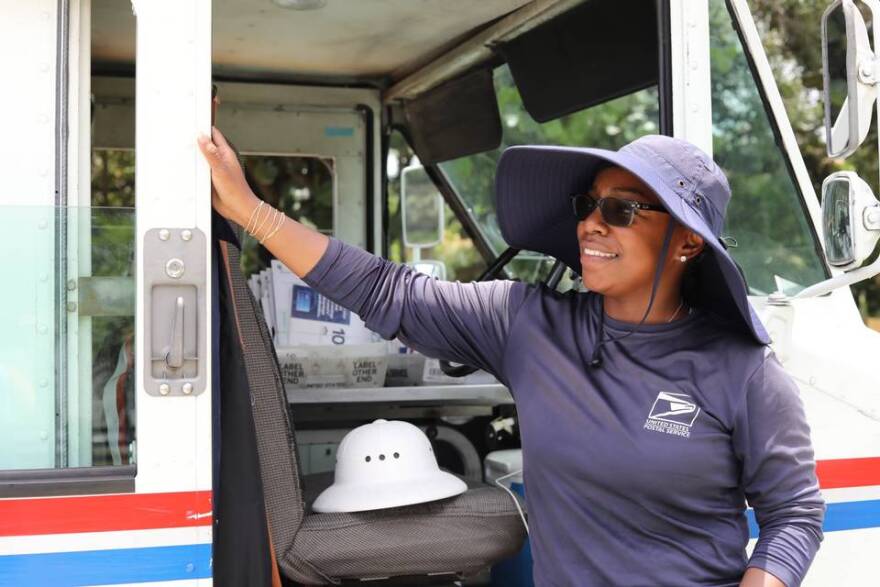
(683, 259)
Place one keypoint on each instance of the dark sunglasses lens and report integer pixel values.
(213, 91)
(616, 212)
(583, 206)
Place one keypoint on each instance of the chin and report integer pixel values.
(599, 286)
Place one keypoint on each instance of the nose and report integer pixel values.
(592, 224)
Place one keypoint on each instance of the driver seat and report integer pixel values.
(451, 538)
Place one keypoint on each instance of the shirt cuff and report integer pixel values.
(781, 572)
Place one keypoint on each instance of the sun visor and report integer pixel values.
(455, 119)
(596, 52)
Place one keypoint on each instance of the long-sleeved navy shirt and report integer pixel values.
(636, 473)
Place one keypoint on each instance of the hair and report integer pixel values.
(691, 280)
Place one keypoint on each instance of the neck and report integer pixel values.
(632, 308)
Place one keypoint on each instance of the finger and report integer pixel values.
(208, 149)
(219, 139)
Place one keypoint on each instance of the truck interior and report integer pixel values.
(328, 101)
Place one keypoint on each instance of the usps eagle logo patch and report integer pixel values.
(672, 413)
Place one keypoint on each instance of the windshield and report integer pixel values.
(608, 125)
(777, 249)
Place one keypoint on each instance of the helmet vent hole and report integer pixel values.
(381, 457)
(368, 459)
(397, 455)
(698, 199)
(681, 183)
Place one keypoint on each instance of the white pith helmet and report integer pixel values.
(385, 464)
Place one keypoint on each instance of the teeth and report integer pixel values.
(595, 253)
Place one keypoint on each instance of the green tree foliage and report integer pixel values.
(790, 30)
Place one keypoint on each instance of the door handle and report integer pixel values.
(174, 357)
(175, 314)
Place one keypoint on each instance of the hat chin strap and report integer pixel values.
(596, 359)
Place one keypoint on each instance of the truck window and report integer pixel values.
(609, 125)
(463, 261)
(67, 357)
(777, 248)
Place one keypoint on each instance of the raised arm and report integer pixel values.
(466, 323)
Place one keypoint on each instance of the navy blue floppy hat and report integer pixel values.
(533, 185)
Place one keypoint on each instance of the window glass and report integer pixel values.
(776, 247)
(112, 325)
(456, 251)
(66, 375)
(609, 125)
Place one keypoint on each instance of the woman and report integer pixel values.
(650, 408)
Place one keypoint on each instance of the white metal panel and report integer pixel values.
(86, 541)
(27, 105)
(28, 34)
(691, 72)
(79, 104)
(173, 191)
(845, 558)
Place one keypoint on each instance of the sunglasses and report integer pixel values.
(615, 211)
(213, 91)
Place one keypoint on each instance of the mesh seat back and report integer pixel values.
(276, 446)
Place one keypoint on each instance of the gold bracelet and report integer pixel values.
(260, 225)
(269, 226)
(254, 213)
(281, 218)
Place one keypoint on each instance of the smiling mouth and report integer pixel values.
(598, 254)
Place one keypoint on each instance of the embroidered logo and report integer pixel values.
(672, 413)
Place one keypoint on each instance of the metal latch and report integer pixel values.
(175, 311)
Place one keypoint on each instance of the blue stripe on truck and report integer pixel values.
(107, 567)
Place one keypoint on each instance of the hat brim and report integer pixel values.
(347, 498)
(532, 189)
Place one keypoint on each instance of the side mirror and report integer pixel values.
(850, 219)
(850, 230)
(849, 78)
(421, 209)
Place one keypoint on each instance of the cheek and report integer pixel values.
(633, 269)
(641, 257)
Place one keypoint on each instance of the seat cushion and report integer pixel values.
(462, 534)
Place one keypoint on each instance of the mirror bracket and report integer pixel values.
(844, 279)
(869, 71)
(871, 217)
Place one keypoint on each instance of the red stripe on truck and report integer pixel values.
(108, 513)
(104, 513)
(838, 473)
